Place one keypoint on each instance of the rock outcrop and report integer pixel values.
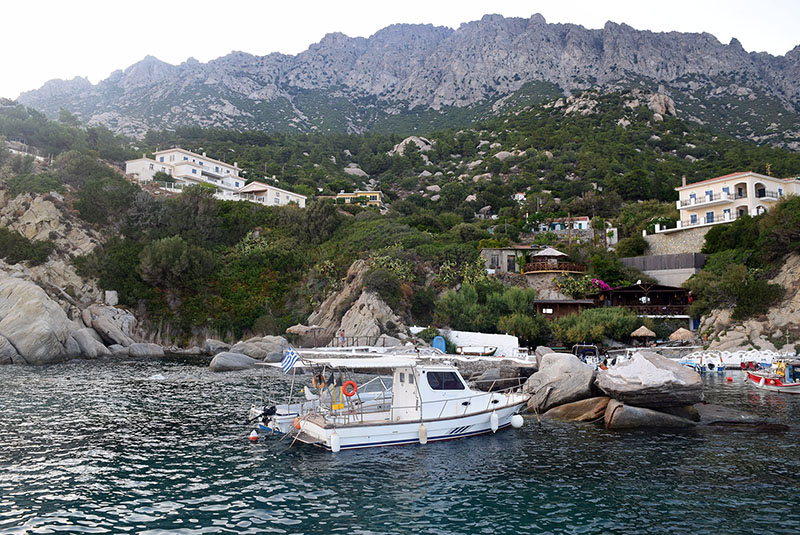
(35, 325)
(369, 317)
(114, 325)
(330, 312)
(562, 378)
(649, 380)
(361, 314)
(408, 68)
(725, 334)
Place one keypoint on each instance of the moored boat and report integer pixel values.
(785, 377)
(477, 351)
(422, 402)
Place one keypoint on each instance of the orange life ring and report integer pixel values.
(349, 388)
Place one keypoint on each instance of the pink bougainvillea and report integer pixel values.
(600, 284)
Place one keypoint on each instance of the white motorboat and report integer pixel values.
(422, 402)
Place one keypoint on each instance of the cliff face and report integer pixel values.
(353, 84)
(770, 332)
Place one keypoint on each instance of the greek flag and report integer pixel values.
(289, 359)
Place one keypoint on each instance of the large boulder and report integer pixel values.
(114, 325)
(585, 410)
(562, 378)
(213, 347)
(35, 325)
(145, 350)
(271, 344)
(649, 380)
(8, 355)
(250, 349)
(89, 343)
(621, 416)
(229, 361)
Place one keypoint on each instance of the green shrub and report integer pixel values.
(385, 284)
(595, 324)
(38, 183)
(636, 245)
(15, 248)
(172, 263)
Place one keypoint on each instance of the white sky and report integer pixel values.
(41, 39)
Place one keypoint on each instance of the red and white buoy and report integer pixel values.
(730, 379)
(254, 436)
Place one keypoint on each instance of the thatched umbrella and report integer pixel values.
(681, 335)
(643, 332)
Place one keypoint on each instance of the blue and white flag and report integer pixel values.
(289, 359)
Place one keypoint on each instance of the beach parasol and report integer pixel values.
(681, 335)
(643, 332)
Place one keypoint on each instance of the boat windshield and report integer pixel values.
(445, 381)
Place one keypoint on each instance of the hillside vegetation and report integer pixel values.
(193, 266)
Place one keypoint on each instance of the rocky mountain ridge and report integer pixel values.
(423, 71)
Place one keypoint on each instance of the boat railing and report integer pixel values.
(352, 412)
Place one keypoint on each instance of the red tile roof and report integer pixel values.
(740, 173)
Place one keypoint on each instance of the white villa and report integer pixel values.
(189, 168)
(725, 198)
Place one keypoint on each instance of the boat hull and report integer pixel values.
(357, 436)
(772, 384)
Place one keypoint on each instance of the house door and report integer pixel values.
(709, 217)
(726, 213)
(512, 264)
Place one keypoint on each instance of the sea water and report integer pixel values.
(160, 446)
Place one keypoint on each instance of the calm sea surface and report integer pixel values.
(152, 447)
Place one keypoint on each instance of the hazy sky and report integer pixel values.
(41, 40)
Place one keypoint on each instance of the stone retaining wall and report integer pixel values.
(685, 241)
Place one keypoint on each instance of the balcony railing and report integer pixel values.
(724, 196)
(766, 194)
(556, 267)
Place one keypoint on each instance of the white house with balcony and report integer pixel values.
(189, 168)
(726, 198)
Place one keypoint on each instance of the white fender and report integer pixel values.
(517, 421)
(336, 442)
(423, 434)
(494, 422)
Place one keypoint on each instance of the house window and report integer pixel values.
(161, 159)
(151, 167)
(709, 193)
(726, 213)
(780, 192)
(726, 189)
(201, 163)
(692, 197)
(216, 169)
(494, 261)
(194, 171)
(444, 381)
(172, 157)
(693, 219)
(185, 158)
(709, 217)
(373, 197)
(237, 184)
(547, 311)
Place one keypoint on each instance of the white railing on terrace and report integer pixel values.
(724, 196)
